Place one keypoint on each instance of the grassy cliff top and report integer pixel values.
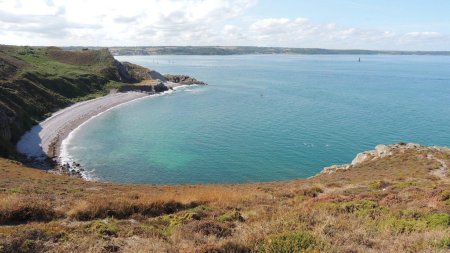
(53, 60)
(391, 201)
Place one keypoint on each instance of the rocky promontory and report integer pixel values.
(382, 151)
(182, 79)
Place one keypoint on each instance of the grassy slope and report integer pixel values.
(392, 204)
(35, 82)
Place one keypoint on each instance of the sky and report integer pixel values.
(333, 24)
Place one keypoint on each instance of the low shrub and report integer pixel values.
(405, 226)
(290, 242)
(103, 228)
(311, 192)
(411, 214)
(229, 247)
(208, 228)
(357, 206)
(438, 220)
(17, 209)
(172, 220)
(378, 185)
(145, 230)
(124, 208)
(444, 243)
(169, 222)
(231, 216)
(406, 184)
(413, 221)
(445, 196)
(29, 241)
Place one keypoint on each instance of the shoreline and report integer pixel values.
(44, 140)
(43, 143)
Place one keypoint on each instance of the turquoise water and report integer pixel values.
(266, 117)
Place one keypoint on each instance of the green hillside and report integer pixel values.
(35, 82)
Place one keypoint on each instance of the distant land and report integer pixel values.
(237, 50)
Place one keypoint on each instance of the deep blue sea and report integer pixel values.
(266, 117)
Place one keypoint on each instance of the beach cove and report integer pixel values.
(46, 140)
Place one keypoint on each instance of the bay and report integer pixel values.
(266, 117)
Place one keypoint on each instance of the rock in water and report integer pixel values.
(183, 79)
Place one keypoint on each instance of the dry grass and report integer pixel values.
(103, 207)
(89, 57)
(393, 204)
(19, 209)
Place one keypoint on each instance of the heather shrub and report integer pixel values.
(291, 242)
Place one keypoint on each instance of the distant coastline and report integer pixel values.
(245, 50)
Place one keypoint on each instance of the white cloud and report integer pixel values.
(301, 32)
(186, 22)
(424, 34)
(116, 22)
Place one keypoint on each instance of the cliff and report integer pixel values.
(140, 73)
(34, 82)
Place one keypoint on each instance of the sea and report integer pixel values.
(265, 117)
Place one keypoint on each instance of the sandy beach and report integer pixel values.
(44, 140)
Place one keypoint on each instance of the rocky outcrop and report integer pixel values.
(155, 75)
(160, 87)
(183, 79)
(149, 88)
(380, 151)
(138, 73)
(123, 72)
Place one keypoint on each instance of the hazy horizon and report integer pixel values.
(231, 46)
